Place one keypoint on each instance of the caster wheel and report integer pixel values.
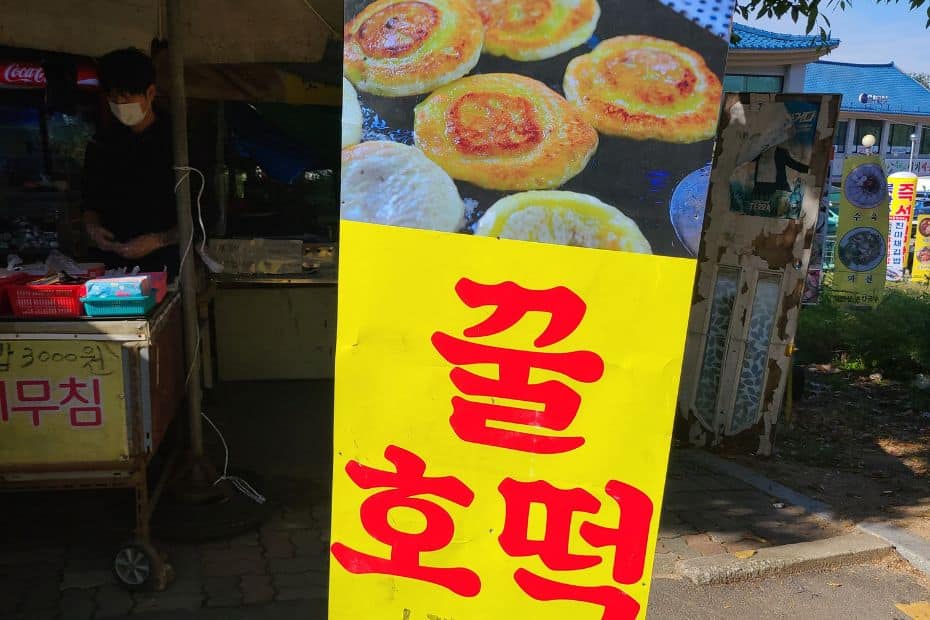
(138, 566)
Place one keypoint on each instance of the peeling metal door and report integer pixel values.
(769, 168)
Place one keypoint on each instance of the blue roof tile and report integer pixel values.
(905, 95)
(756, 39)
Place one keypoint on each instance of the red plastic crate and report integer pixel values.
(48, 301)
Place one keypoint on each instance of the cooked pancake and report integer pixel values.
(536, 29)
(504, 131)
(351, 115)
(397, 48)
(564, 218)
(645, 88)
(395, 184)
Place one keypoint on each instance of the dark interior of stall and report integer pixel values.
(270, 212)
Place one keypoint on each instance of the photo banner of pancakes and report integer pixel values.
(558, 121)
(522, 195)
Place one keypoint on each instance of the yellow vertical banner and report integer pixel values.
(861, 246)
(902, 192)
(920, 270)
(516, 267)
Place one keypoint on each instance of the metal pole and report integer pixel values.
(185, 223)
(910, 161)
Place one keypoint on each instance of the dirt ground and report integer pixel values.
(859, 443)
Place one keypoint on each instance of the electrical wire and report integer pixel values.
(241, 485)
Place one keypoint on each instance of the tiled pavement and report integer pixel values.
(705, 513)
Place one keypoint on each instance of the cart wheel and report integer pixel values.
(138, 566)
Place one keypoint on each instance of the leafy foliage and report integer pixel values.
(809, 10)
(923, 78)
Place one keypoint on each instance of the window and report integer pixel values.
(925, 142)
(865, 127)
(899, 142)
(842, 129)
(753, 83)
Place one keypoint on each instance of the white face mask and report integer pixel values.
(129, 114)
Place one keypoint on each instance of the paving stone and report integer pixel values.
(256, 589)
(85, 580)
(679, 547)
(246, 540)
(744, 545)
(277, 544)
(41, 595)
(704, 545)
(167, 601)
(222, 591)
(77, 605)
(19, 557)
(11, 592)
(293, 565)
(112, 600)
(233, 562)
(309, 543)
(36, 614)
(220, 586)
(729, 536)
(30, 572)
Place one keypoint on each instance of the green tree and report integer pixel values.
(923, 78)
(809, 10)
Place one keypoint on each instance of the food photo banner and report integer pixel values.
(861, 233)
(522, 194)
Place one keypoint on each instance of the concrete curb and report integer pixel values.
(833, 552)
(911, 547)
(816, 509)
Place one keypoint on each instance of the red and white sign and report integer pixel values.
(902, 189)
(32, 75)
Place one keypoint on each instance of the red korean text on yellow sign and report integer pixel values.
(61, 401)
(441, 513)
(902, 192)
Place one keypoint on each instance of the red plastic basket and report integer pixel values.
(6, 283)
(50, 301)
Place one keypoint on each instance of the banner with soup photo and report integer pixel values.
(522, 195)
(861, 248)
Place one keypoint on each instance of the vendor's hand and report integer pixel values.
(101, 237)
(143, 245)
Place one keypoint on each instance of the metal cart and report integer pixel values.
(85, 404)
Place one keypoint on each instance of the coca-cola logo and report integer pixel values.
(23, 74)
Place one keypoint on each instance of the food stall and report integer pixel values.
(85, 401)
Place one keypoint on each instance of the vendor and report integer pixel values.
(129, 205)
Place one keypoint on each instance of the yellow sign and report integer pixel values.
(920, 270)
(902, 188)
(503, 418)
(861, 247)
(61, 401)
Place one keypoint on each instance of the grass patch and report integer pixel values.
(893, 338)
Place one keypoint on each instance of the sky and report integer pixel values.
(870, 33)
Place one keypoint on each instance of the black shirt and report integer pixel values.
(129, 180)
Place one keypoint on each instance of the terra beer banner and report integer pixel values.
(859, 275)
(902, 191)
(513, 300)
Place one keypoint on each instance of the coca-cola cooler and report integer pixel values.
(42, 143)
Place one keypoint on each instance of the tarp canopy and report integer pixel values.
(217, 31)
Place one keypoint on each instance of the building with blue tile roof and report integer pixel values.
(763, 61)
(878, 99)
(881, 100)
